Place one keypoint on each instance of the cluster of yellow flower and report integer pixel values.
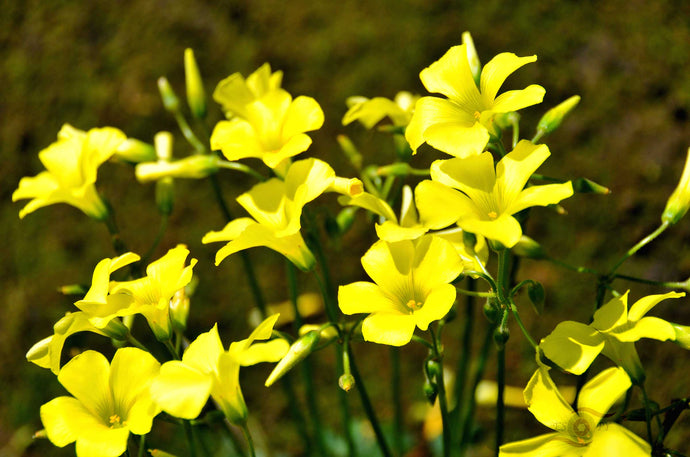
(472, 202)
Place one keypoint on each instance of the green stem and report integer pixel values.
(189, 134)
(571, 267)
(142, 446)
(669, 285)
(475, 293)
(397, 401)
(136, 343)
(463, 361)
(518, 319)
(110, 222)
(159, 236)
(189, 433)
(442, 397)
(236, 166)
(171, 349)
(368, 408)
(248, 437)
(500, 401)
(648, 414)
(516, 131)
(643, 242)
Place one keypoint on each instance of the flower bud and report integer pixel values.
(350, 151)
(430, 391)
(73, 289)
(679, 201)
(192, 167)
(196, 96)
(682, 335)
(554, 117)
(179, 310)
(433, 369)
(135, 151)
(586, 186)
(297, 352)
(170, 100)
(346, 382)
(472, 57)
(502, 332)
(396, 169)
(346, 186)
(491, 311)
(164, 187)
(527, 247)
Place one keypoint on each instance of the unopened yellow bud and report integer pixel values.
(346, 382)
(554, 117)
(346, 186)
(472, 57)
(170, 100)
(179, 310)
(135, 151)
(297, 352)
(196, 96)
(679, 201)
(192, 167)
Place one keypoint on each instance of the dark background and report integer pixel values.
(96, 63)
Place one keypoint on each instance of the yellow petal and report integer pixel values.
(202, 354)
(364, 297)
(236, 139)
(87, 378)
(231, 231)
(549, 445)
(271, 351)
(612, 438)
(437, 304)
(514, 170)
(451, 76)
(64, 418)
(643, 305)
(266, 202)
(601, 392)
(131, 373)
(548, 194)
(307, 179)
(181, 390)
(573, 346)
(474, 175)
(613, 314)
(303, 115)
(545, 402)
(390, 231)
(394, 329)
(497, 70)
(106, 442)
(371, 112)
(440, 206)
(295, 145)
(370, 203)
(647, 327)
(389, 264)
(436, 262)
(505, 229)
(514, 100)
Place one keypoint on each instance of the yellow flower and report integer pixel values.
(371, 111)
(149, 296)
(267, 123)
(574, 346)
(411, 288)
(234, 93)
(109, 402)
(206, 369)
(276, 207)
(71, 167)
(459, 124)
(490, 197)
(679, 201)
(578, 433)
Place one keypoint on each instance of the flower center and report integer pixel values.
(477, 115)
(493, 214)
(580, 429)
(414, 305)
(116, 421)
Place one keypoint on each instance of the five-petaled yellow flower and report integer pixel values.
(581, 433)
(459, 124)
(410, 289)
(206, 369)
(573, 346)
(110, 401)
(488, 197)
(71, 167)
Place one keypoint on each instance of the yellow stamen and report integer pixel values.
(414, 305)
(477, 115)
(493, 214)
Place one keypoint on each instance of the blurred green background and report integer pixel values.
(96, 63)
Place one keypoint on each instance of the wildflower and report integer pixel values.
(276, 207)
(460, 124)
(411, 288)
(149, 296)
(110, 401)
(206, 369)
(577, 433)
(489, 197)
(234, 92)
(574, 346)
(267, 123)
(370, 112)
(71, 167)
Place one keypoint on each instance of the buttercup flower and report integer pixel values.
(489, 197)
(411, 288)
(71, 167)
(459, 124)
(574, 346)
(371, 111)
(577, 434)
(235, 92)
(206, 369)
(276, 207)
(110, 401)
(268, 123)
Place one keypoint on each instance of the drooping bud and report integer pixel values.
(297, 352)
(170, 100)
(679, 201)
(346, 382)
(554, 117)
(587, 186)
(179, 310)
(346, 186)
(502, 332)
(196, 96)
